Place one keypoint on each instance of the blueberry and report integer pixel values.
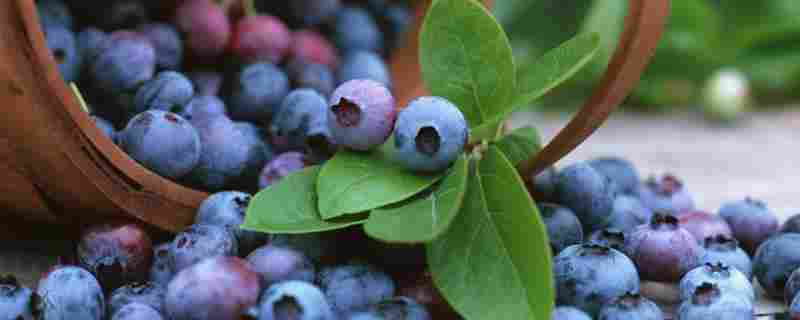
(726, 250)
(314, 12)
(355, 29)
(206, 82)
(631, 306)
(663, 250)
(227, 209)
(146, 293)
(219, 288)
(124, 63)
(167, 91)
(206, 28)
(257, 153)
(791, 225)
(281, 166)
(751, 221)
(54, 12)
(137, 311)
(792, 286)
(90, 43)
(311, 47)
(167, 43)
(563, 227)
(294, 300)
(312, 76)
(199, 242)
(258, 91)
(609, 237)
(161, 270)
(775, 260)
(730, 280)
(116, 253)
(619, 170)
(261, 38)
(430, 133)
(544, 185)
(227, 154)
(709, 302)
(163, 142)
(69, 292)
(398, 308)
(361, 115)
(354, 287)
(123, 14)
(589, 275)
(666, 194)
(702, 225)
(569, 313)
(62, 44)
(588, 193)
(16, 302)
(106, 127)
(302, 120)
(279, 263)
(202, 108)
(628, 213)
(363, 65)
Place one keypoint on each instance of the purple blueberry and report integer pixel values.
(54, 12)
(163, 142)
(620, 171)
(218, 288)
(227, 209)
(281, 166)
(666, 194)
(702, 225)
(314, 12)
(290, 300)
(106, 127)
(64, 48)
(588, 276)
(628, 213)
(726, 250)
(146, 293)
(116, 254)
(301, 120)
(775, 260)
(588, 193)
(227, 154)
(355, 29)
(751, 221)
(203, 107)
(278, 263)
(792, 286)
(126, 60)
(430, 133)
(563, 227)
(16, 302)
(569, 313)
(199, 242)
(137, 311)
(709, 302)
(354, 287)
(205, 26)
(360, 65)
(122, 14)
(258, 91)
(312, 76)
(663, 250)
(308, 46)
(361, 115)
(544, 185)
(167, 91)
(631, 306)
(258, 154)
(791, 225)
(206, 82)
(90, 43)
(260, 37)
(609, 237)
(69, 292)
(167, 43)
(730, 280)
(161, 270)
(398, 308)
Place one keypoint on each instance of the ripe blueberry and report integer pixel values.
(227, 154)
(64, 48)
(363, 65)
(709, 302)
(544, 185)
(609, 237)
(203, 107)
(361, 115)
(312, 76)
(206, 82)
(726, 250)
(167, 91)
(631, 306)
(278, 263)
(588, 193)
(16, 302)
(261, 38)
(430, 133)
(628, 213)
(588, 276)
(354, 287)
(126, 60)
(69, 292)
(730, 280)
(137, 311)
(294, 300)
(205, 26)
(117, 254)
(569, 313)
(666, 194)
(146, 293)
(301, 120)
(663, 250)
(163, 142)
(355, 29)
(702, 225)
(257, 92)
(161, 270)
(563, 227)
(751, 221)
(167, 42)
(227, 209)
(281, 166)
(54, 12)
(775, 260)
(199, 242)
(399, 308)
(619, 170)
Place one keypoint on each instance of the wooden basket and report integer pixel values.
(56, 166)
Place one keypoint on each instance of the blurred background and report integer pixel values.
(718, 106)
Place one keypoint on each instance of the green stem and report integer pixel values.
(78, 95)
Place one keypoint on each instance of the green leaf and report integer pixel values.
(520, 144)
(494, 261)
(290, 206)
(425, 218)
(465, 57)
(354, 182)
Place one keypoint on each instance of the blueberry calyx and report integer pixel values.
(755, 202)
(593, 248)
(706, 294)
(630, 300)
(718, 267)
(669, 185)
(666, 221)
(428, 140)
(614, 236)
(348, 114)
(288, 308)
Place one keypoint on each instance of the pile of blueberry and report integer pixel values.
(609, 231)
